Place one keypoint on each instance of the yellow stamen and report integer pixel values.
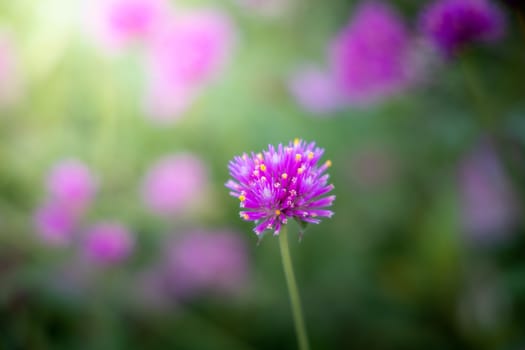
(245, 216)
(310, 155)
(262, 167)
(242, 198)
(284, 176)
(277, 212)
(328, 163)
(296, 141)
(300, 170)
(298, 157)
(260, 156)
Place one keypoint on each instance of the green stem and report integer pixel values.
(293, 292)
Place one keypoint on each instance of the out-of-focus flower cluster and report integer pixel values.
(376, 56)
(184, 50)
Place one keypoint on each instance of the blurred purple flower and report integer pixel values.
(10, 74)
(175, 184)
(108, 243)
(314, 90)
(207, 261)
(117, 23)
(55, 223)
(452, 24)
(371, 55)
(489, 208)
(279, 184)
(186, 54)
(71, 183)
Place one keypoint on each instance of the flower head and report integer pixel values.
(281, 183)
(371, 55)
(174, 184)
(315, 90)
(108, 243)
(71, 182)
(489, 207)
(55, 223)
(116, 23)
(200, 260)
(452, 24)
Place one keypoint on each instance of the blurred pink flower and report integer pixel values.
(315, 90)
(488, 206)
(71, 183)
(115, 24)
(370, 56)
(186, 54)
(55, 223)
(10, 74)
(108, 243)
(207, 261)
(175, 184)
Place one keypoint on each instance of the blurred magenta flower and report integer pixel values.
(186, 54)
(108, 243)
(55, 223)
(115, 24)
(71, 183)
(452, 24)
(10, 71)
(281, 183)
(315, 90)
(371, 55)
(175, 184)
(488, 205)
(207, 261)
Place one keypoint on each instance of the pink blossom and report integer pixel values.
(55, 223)
(71, 182)
(315, 90)
(201, 261)
(488, 205)
(175, 184)
(115, 24)
(186, 54)
(370, 56)
(108, 243)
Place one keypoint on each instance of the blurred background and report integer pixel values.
(118, 119)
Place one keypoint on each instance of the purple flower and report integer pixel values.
(281, 183)
(71, 183)
(55, 223)
(114, 24)
(202, 261)
(452, 24)
(185, 55)
(108, 243)
(371, 56)
(175, 184)
(489, 207)
(316, 91)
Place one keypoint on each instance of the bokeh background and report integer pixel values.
(118, 119)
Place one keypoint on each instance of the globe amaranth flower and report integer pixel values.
(71, 183)
(452, 24)
(281, 183)
(186, 54)
(55, 223)
(108, 243)
(489, 208)
(371, 56)
(201, 261)
(175, 184)
(114, 24)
